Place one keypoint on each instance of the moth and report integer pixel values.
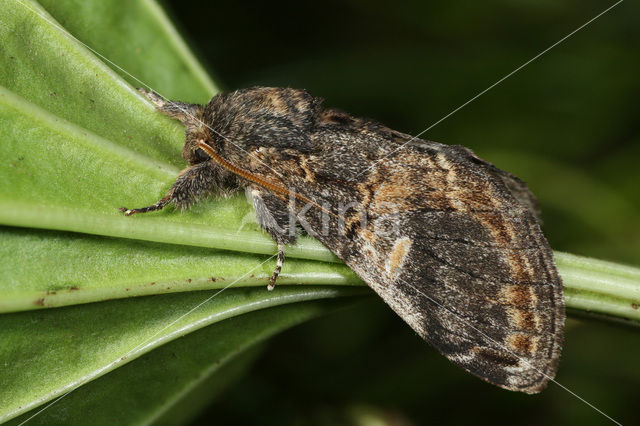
(449, 241)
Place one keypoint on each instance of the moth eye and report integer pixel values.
(201, 155)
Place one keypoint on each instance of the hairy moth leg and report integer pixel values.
(273, 217)
(192, 184)
(157, 206)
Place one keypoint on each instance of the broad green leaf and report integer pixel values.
(50, 352)
(177, 378)
(43, 64)
(45, 272)
(138, 42)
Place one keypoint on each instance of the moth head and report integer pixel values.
(191, 152)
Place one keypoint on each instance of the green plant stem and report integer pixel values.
(600, 287)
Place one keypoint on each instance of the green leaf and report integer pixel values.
(44, 269)
(139, 43)
(44, 65)
(187, 371)
(74, 345)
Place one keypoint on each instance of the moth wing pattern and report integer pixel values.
(514, 184)
(468, 267)
(451, 243)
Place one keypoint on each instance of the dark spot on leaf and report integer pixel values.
(39, 302)
(634, 306)
(74, 287)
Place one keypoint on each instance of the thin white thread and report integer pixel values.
(490, 87)
(378, 161)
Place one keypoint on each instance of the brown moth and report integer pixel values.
(450, 242)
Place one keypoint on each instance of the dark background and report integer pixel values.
(567, 123)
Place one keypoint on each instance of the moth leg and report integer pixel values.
(157, 206)
(273, 216)
(189, 114)
(276, 272)
(192, 184)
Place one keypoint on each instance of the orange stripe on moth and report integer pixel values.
(255, 179)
